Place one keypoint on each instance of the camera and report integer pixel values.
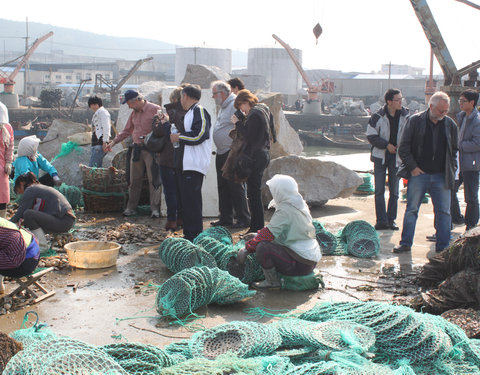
(239, 114)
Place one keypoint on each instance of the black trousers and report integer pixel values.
(191, 195)
(254, 189)
(24, 269)
(231, 196)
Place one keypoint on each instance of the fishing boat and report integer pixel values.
(318, 138)
(21, 133)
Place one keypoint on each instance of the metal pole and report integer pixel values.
(25, 75)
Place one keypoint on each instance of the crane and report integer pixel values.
(113, 89)
(9, 80)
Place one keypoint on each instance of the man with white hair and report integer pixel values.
(428, 150)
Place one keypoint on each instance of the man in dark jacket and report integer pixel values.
(469, 158)
(428, 150)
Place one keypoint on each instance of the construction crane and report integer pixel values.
(453, 76)
(114, 89)
(9, 80)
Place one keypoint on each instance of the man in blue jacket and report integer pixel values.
(469, 153)
(192, 158)
(383, 132)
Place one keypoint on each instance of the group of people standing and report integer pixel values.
(435, 155)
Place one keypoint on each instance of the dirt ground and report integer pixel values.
(117, 303)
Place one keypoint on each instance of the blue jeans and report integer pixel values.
(470, 187)
(434, 184)
(169, 182)
(389, 214)
(96, 157)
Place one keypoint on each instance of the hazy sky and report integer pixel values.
(358, 35)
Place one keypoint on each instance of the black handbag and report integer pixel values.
(243, 167)
(154, 142)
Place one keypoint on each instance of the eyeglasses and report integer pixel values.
(462, 101)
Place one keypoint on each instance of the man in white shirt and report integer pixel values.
(100, 130)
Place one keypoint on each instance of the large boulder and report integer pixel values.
(318, 181)
(68, 168)
(288, 141)
(57, 134)
(204, 75)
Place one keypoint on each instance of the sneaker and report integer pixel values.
(155, 214)
(401, 249)
(381, 226)
(129, 212)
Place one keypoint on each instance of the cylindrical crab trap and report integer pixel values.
(219, 233)
(326, 240)
(194, 287)
(178, 254)
(245, 339)
(360, 239)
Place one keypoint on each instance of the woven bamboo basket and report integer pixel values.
(104, 202)
(104, 180)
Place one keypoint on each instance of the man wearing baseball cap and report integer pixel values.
(139, 124)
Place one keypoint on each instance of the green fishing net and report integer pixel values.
(179, 348)
(225, 256)
(178, 254)
(139, 359)
(194, 287)
(245, 339)
(366, 188)
(66, 149)
(300, 283)
(327, 241)
(73, 194)
(60, 355)
(360, 239)
(219, 233)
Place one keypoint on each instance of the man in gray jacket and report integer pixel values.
(231, 195)
(469, 153)
(383, 132)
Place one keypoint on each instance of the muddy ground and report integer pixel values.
(107, 305)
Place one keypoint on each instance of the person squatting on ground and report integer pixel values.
(19, 251)
(30, 160)
(194, 153)
(469, 153)
(383, 132)
(6, 158)
(287, 245)
(101, 125)
(231, 195)
(139, 124)
(42, 208)
(258, 129)
(428, 150)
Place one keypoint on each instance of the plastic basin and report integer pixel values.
(92, 254)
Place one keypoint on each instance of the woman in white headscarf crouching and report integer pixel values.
(287, 245)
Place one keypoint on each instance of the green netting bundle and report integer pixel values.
(366, 188)
(60, 355)
(301, 283)
(244, 339)
(139, 359)
(331, 335)
(326, 240)
(191, 288)
(360, 239)
(178, 348)
(227, 363)
(178, 254)
(400, 332)
(66, 149)
(225, 256)
(73, 194)
(219, 233)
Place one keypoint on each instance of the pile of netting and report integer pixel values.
(194, 287)
(366, 188)
(358, 238)
(66, 149)
(178, 254)
(73, 194)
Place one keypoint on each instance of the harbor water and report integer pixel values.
(357, 160)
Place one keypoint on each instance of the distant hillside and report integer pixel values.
(82, 43)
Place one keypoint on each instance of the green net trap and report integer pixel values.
(360, 239)
(245, 339)
(141, 359)
(219, 233)
(366, 188)
(326, 240)
(178, 254)
(73, 194)
(194, 287)
(225, 256)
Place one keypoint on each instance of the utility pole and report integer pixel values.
(25, 74)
